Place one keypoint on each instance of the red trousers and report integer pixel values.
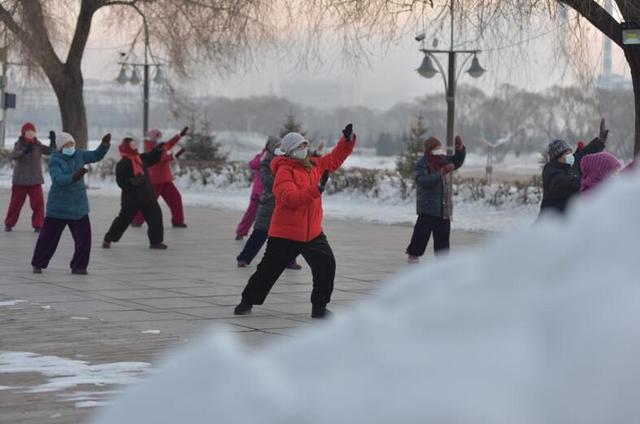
(172, 197)
(18, 197)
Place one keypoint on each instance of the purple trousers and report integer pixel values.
(249, 216)
(50, 236)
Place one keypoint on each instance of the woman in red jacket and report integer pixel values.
(162, 177)
(296, 224)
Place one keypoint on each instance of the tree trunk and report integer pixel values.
(69, 91)
(633, 57)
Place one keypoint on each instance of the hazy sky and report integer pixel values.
(388, 78)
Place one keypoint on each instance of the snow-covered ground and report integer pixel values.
(536, 327)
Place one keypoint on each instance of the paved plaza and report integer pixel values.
(137, 303)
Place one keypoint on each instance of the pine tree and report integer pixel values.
(413, 149)
(291, 125)
(202, 144)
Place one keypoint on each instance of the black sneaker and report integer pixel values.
(239, 237)
(158, 246)
(106, 244)
(243, 308)
(136, 225)
(320, 312)
(37, 270)
(79, 271)
(183, 225)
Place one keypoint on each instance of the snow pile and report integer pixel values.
(538, 327)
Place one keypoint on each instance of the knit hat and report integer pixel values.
(432, 144)
(154, 135)
(64, 138)
(289, 143)
(597, 167)
(557, 148)
(28, 127)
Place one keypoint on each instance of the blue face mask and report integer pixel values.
(68, 151)
(569, 159)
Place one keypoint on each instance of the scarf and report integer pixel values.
(28, 141)
(436, 162)
(128, 153)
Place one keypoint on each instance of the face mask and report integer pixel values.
(569, 159)
(300, 153)
(68, 151)
(30, 135)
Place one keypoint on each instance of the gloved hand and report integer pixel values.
(348, 132)
(180, 152)
(159, 147)
(107, 139)
(459, 144)
(447, 169)
(319, 150)
(52, 140)
(323, 181)
(137, 180)
(184, 131)
(77, 176)
(604, 131)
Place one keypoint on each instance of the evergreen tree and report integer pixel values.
(413, 149)
(291, 125)
(202, 144)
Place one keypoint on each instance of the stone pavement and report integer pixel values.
(137, 303)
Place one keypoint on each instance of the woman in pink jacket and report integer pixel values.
(256, 192)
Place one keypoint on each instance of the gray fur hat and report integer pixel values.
(557, 148)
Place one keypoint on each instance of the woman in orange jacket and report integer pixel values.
(296, 224)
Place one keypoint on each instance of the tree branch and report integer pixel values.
(83, 27)
(598, 17)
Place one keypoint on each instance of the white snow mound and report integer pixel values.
(538, 327)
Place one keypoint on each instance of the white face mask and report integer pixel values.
(300, 153)
(569, 159)
(30, 135)
(68, 151)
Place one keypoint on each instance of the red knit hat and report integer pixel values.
(28, 127)
(432, 144)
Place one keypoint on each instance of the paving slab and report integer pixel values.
(137, 304)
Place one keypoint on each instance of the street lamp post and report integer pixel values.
(450, 78)
(135, 79)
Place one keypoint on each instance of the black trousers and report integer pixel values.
(280, 252)
(152, 214)
(253, 245)
(425, 225)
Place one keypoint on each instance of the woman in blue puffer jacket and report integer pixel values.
(67, 204)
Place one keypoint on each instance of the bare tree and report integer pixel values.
(188, 32)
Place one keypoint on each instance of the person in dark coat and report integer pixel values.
(561, 176)
(433, 194)
(260, 231)
(132, 176)
(27, 177)
(68, 205)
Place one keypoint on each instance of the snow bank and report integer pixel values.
(537, 327)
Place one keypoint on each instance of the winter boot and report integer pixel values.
(320, 312)
(243, 308)
(413, 259)
(79, 271)
(8, 229)
(183, 225)
(37, 270)
(242, 264)
(158, 246)
(239, 237)
(106, 244)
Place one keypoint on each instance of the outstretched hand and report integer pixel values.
(323, 181)
(77, 176)
(348, 132)
(52, 139)
(459, 144)
(184, 131)
(604, 131)
(107, 139)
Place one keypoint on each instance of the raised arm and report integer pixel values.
(461, 153)
(286, 191)
(334, 160)
(92, 156)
